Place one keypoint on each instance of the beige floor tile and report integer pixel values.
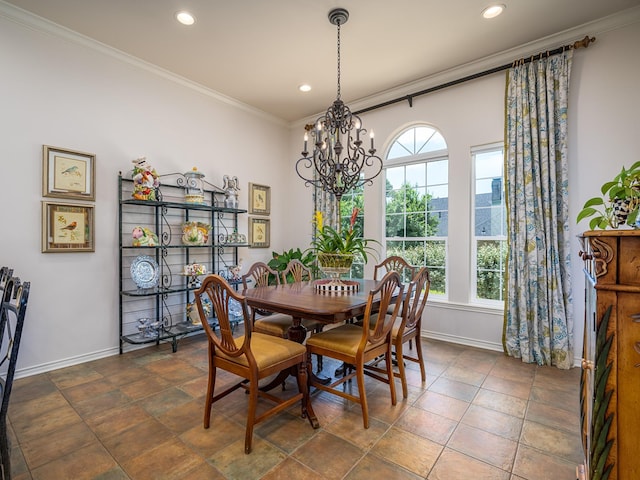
(410, 451)
(329, 455)
(44, 449)
(552, 441)
(84, 464)
(442, 405)
(372, 467)
(209, 441)
(553, 417)
(349, 427)
(493, 421)
(533, 464)
(285, 431)
(235, 464)
(500, 402)
(166, 461)
(560, 399)
(291, 469)
(453, 388)
(114, 421)
(464, 374)
(427, 424)
(484, 446)
(454, 465)
(508, 387)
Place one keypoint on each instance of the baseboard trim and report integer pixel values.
(472, 342)
(67, 362)
(469, 342)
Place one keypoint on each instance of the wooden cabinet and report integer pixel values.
(610, 383)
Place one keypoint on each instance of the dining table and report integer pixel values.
(305, 300)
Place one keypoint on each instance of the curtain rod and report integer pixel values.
(409, 98)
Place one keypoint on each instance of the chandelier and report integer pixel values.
(338, 158)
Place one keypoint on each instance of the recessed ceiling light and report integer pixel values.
(304, 87)
(185, 18)
(493, 11)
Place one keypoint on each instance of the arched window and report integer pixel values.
(417, 201)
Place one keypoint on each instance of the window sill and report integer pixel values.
(467, 307)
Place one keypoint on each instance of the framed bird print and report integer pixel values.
(68, 174)
(259, 232)
(67, 227)
(259, 199)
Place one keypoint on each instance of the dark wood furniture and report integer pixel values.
(302, 300)
(356, 345)
(408, 326)
(252, 357)
(395, 264)
(610, 383)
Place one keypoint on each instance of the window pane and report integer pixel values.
(489, 225)
(416, 175)
(395, 177)
(439, 192)
(438, 172)
(416, 225)
(417, 202)
(395, 226)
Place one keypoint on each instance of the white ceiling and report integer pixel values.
(259, 51)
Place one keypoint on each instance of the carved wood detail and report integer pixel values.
(602, 254)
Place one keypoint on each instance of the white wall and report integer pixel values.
(64, 93)
(604, 135)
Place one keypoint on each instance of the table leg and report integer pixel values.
(298, 333)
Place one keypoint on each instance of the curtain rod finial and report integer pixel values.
(584, 42)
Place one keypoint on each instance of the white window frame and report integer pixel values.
(473, 287)
(431, 156)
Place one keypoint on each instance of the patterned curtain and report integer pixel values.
(538, 324)
(327, 204)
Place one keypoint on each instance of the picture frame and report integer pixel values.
(259, 232)
(259, 199)
(68, 174)
(67, 227)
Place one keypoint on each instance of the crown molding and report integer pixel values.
(36, 23)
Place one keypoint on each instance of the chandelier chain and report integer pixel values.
(338, 24)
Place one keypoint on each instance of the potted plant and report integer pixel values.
(280, 261)
(619, 204)
(336, 249)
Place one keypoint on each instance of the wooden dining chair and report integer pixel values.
(277, 324)
(395, 264)
(12, 313)
(408, 326)
(253, 356)
(354, 345)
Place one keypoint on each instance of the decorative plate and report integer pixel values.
(144, 271)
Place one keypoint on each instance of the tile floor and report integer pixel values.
(480, 415)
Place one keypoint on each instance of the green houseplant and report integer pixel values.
(280, 261)
(619, 204)
(337, 249)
